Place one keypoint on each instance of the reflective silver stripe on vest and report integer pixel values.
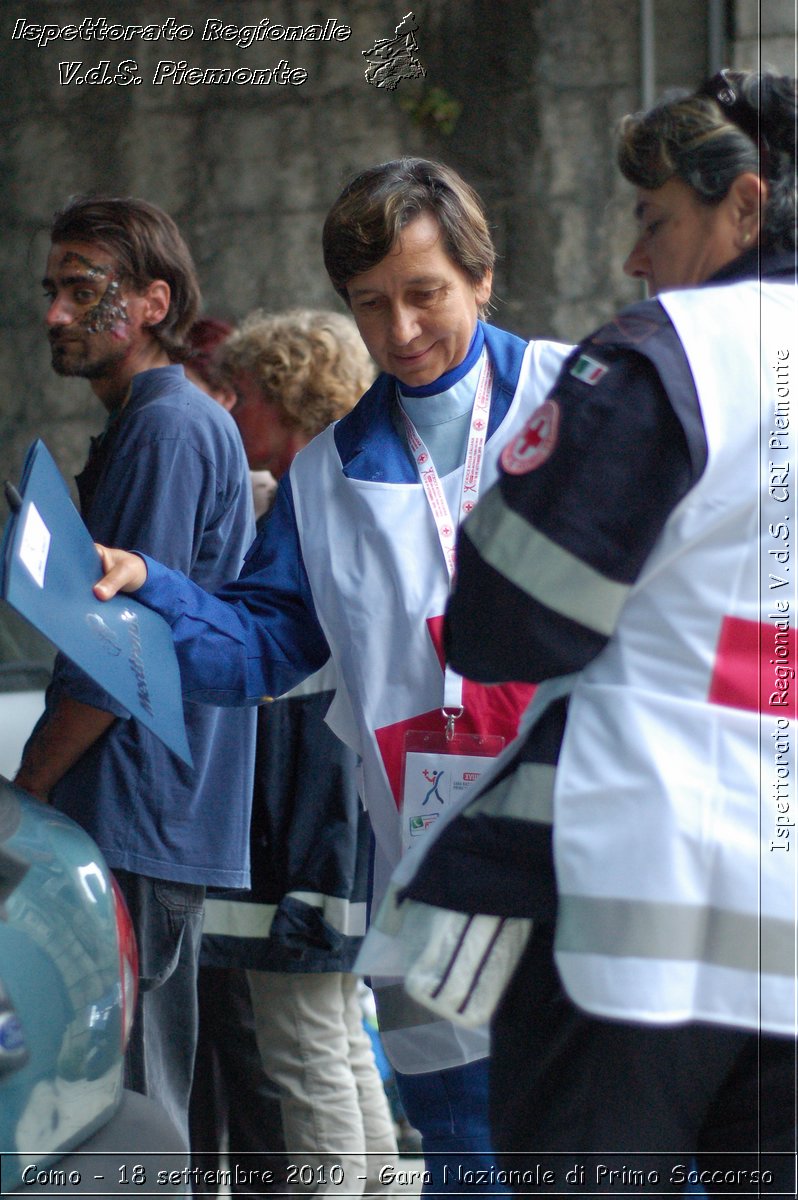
(527, 795)
(235, 918)
(541, 568)
(240, 918)
(680, 932)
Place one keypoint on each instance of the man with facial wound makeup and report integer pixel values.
(168, 472)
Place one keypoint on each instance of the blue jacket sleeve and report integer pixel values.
(257, 636)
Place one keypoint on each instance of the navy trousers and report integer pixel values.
(593, 1106)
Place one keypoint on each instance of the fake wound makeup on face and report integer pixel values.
(109, 311)
(106, 310)
(92, 269)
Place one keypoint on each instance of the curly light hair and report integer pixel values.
(311, 363)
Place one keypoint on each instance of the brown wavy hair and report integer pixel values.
(364, 222)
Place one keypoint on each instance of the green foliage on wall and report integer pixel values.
(433, 110)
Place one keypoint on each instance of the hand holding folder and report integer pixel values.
(123, 572)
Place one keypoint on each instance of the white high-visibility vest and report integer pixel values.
(676, 793)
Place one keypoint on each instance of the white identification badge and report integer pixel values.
(436, 771)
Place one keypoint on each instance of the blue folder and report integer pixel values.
(49, 566)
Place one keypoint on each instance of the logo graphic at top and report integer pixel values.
(393, 59)
(434, 778)
(535, 442)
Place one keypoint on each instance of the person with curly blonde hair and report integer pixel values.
(298, 931)
(293, 373)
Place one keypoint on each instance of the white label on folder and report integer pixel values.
(35, 545)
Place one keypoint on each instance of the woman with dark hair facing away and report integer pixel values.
(641, 562)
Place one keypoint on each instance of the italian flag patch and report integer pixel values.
(588, 369)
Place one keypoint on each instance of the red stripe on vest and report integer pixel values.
(755, 667)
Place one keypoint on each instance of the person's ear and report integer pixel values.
(747, 197)
(483, 289)
(156, 296)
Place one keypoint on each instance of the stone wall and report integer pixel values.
(763, 35)
(248, 171)
(520, 96)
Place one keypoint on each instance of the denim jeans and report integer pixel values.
(450, 1110)
(167, 918)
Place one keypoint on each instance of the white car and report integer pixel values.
(26, 660)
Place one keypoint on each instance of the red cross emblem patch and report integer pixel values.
(533, 445)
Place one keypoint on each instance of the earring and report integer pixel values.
(746, 238)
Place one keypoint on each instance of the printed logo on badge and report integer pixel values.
(419, 825)
(533, 445)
